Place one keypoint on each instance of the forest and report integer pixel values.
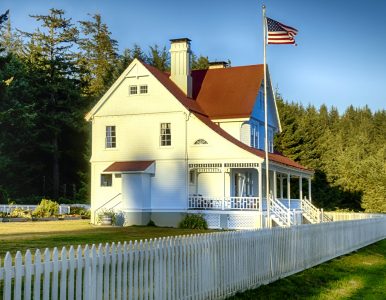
(50, 77)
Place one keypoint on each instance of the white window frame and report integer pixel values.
(106, 180)
(110, 137)
(135, 87)
(145, 87)
(165, 139)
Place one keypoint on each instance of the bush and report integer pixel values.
(46, 208)
(151, 223)
(193, 221)
(21, 213)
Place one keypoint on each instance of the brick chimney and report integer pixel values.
(180, 64)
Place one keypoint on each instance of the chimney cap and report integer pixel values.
(180, 40)
(218, 64)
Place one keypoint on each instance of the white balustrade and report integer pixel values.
(223, 203)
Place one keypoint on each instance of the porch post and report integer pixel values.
(289, 190)
(300, 187)
(281, 186)
(223, 195)
(274, 185)
(260, 187)
(309, 189)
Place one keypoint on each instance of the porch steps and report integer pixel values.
(313, 214)
(280, 214)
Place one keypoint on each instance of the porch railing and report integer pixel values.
(223, 203)
(312, 213)
(281, 214)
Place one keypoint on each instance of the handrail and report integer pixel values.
(314, 213)
(279, 210)
(95, 211)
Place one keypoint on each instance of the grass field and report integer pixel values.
(360, 275)
(41, 235)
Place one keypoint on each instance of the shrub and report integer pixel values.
(193, 221)
(21, 213)
(151, 223)
(46, 208)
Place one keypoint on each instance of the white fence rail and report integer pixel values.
(63, 208)
(345, 216)
(207, 266)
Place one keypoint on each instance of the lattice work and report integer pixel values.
(241, 165)
(213, 221)
(242, 222)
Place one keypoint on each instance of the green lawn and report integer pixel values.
(360, 275)
(40, 235)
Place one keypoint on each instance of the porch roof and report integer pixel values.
(129, 166)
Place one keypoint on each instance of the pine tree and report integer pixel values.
(53, 71)
(98, 57)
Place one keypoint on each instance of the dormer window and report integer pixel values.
(270, 140)
(143, 89)
(133, 90)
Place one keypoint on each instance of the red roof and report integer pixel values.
(242, 83)
(227, 92)
(129, 166)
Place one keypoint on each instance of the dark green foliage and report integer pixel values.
(193, 221)
(151, 224)
(347, 153)
(200, 63)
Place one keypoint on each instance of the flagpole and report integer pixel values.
(266, 120)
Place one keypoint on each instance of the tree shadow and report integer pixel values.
(332, 197)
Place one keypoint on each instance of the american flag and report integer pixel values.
(279, 33)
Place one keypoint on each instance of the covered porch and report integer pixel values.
(237, 187)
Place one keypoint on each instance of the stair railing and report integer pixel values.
(280, 211)
(102, 206)
(315, 214)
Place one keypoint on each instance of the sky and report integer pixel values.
(339, 60)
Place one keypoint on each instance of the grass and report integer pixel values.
(360, 275)
(41, 235)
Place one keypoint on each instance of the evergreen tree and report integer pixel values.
(200, 63)
(54, 74)
(98, 57)
(159, 58)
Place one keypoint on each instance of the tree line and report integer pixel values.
(347, 153)
(50, 77)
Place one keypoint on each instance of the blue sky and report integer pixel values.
(340, 58)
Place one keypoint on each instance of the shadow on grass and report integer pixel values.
(359, 275)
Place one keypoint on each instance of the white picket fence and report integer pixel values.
(347, 216)
(63, 208)
(203, 266)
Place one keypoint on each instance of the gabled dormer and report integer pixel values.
(233, 98)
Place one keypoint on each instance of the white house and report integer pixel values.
(164, 145)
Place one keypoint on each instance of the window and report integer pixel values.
(257, 146)
(106, 179)
(111, 138)
(133, 90)
(192, 176)
(166, 134)
(143, 89)
(200, 142)
(270, 140)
